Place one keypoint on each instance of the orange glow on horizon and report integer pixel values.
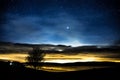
(14, 57)
(60, 58)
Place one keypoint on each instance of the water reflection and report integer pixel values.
(53, 68)
(68, 68)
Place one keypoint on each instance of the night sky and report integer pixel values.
(68, 22)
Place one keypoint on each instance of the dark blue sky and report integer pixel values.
(70, 22)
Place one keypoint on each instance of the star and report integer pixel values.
(67, 27)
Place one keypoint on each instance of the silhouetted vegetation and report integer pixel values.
(15, 71)
(35, 56)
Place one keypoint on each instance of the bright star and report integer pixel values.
(67, 27)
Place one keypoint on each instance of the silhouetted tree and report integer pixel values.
(35, 56)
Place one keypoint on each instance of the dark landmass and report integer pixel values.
(17, 71)
(110, 64)
(8, 47)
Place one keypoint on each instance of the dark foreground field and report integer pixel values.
(9, 71)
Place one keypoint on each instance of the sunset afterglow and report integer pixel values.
(62, 58)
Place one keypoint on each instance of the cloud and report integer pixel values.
(36, 23)
(41, 28)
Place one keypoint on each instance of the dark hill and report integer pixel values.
(19, 72)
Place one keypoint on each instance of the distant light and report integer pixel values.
(99, 47)
(11, 63)
(62, 61)
(60, 50)
(88, 59)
